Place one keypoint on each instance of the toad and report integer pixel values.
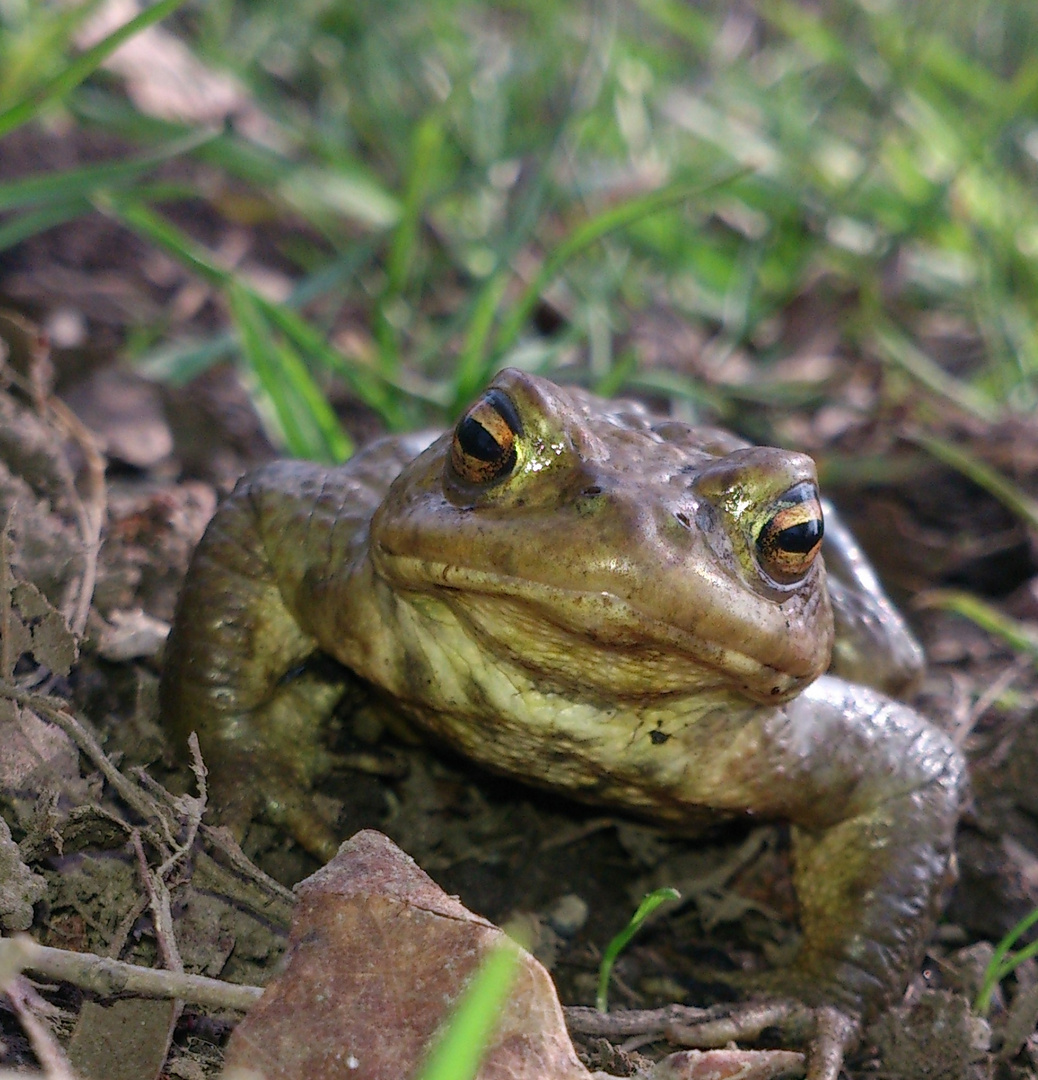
(629, 609)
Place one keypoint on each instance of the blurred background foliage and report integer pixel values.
(736, 205)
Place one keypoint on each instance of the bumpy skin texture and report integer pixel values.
(595, 609)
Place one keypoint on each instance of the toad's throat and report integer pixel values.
(598, 640)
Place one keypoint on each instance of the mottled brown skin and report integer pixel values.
(606, 606)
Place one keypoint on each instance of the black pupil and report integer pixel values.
(477, 442)
(800, 538)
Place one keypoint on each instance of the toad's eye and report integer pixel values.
(789, 539)
(484, 447)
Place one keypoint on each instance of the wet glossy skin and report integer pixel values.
(590, 598)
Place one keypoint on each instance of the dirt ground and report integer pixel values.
(106, 483)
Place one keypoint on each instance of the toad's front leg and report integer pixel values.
(872, 791)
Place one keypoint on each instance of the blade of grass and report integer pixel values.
(478, 318)
(36, 221)
(893, 347)
(470, 369)
(367, 384)
(33, 51)
(44, 188)
(320, 194)
(142, 220)
(1019, 636)
(610, 220)
(648, 905)
(459, 1051)
(82, 66)
(179, 362)
(304, 418)
(982, 474)
(427, 142)
(425, 150)
(682, 20)
(999, 967)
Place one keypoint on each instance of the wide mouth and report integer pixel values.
(596, 634)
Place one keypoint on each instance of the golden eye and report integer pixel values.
(790, 538)
(484, 447)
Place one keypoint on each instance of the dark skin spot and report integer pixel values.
(658, 738)
(418, 676)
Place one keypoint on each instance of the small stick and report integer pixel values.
(44, 1045)
(107, 977)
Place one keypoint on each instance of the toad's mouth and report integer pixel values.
(596, 637)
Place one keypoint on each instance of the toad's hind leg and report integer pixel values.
(235, 673)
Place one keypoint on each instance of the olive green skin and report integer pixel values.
(594, 621)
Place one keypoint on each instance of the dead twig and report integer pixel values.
(161, 909)
(132, 794)
(6, 659)
(584, 1020)
(106, 977)
(27, 1005)
(221, 840)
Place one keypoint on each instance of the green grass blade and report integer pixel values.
(145, 222)
(303, 416)
(1018, 636)
(180, 362)
(998, 966)
(35, 50)
(82, 66)
(45, 188)
(29, 224)
(470, 369)
(895, 348)
(963, 74)
(368, 384)
(682, 20)
(459, 1051)
(648, 905)
(428, 141)
(322, 195)
(303, 337)
(982, 474)
(609, 221)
